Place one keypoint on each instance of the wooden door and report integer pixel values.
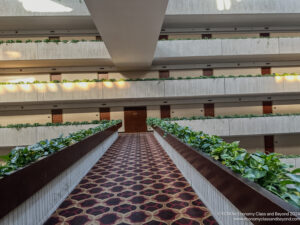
(208, 72)
(163, 37)
(267, 107)
(57, 116)
(164, 74)
(265, 70)
(206, 36)
(165, 111)
(264, 35)
(269, 144)
(102, 76)
(209, 109)
(135, 119)
(104, 113)
(55, 76)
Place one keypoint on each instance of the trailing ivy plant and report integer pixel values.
(152, 79)
(22, 156)
(46, 41)
(25, 125)
(263, 169)
(230, 116)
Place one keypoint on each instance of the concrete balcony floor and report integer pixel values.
(135, 182)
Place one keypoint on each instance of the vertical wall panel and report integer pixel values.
(209, 109)
(57, 116)
(265, 70)
(267, 107)
(165, 111)
(269, 144)
(208, 72)
(55, 76)
(164, 74)
(104, 113)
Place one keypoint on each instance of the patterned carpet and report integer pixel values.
(135, 182)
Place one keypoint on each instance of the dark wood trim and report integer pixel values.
(208, 72)
(247, 196)
(209, 109)
(55, 76)
(264, 35)
(163, 37)
(165, 111)
(269, 144)
(266, 70)
(57, 115)
(25, 182)
(164, 74)
(206, 36)
(104, 113)
(267, 107)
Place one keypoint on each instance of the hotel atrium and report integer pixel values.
(139, 112)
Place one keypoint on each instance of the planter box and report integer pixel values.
(32, 193)
(225, 193)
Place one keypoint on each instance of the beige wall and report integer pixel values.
(79, 115)
(292, 106)
(133, 75)
(187, 110)
(186, 73)
(287, 144)
(26, 116)
(238, 108)
(250, 143)
(285, 34)
(117, 113)
(214, 35)
(153, 111)
(185, 36)
(23, 38)
(79, 76)
(282, 70)
(236, 71)
(87, 38)
(24, 78)
(235, 35)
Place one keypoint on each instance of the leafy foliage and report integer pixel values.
(230, 116)
(45, 41)
(22, 156)
(154, 79)
(25, 125)
(261, 168)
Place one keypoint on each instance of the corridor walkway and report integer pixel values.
(135, 182)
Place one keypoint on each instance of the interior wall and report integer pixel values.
(80, 115)
(153, 111)
(236, 71)
(25, 116)
(282, 70)
(186, 73)
(287, 144)
(238, 108)
(24, 78)
(187, 110)
(250, 143)
(79, 76)
(117, 113)
(283, 107)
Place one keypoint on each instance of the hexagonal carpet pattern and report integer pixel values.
(135, 182)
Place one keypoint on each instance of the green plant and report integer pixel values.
(263, 169)
(25, 125)
(22, 156)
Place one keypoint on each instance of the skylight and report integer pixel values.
(44, 6)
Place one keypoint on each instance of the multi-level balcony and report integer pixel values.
(154, 89)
